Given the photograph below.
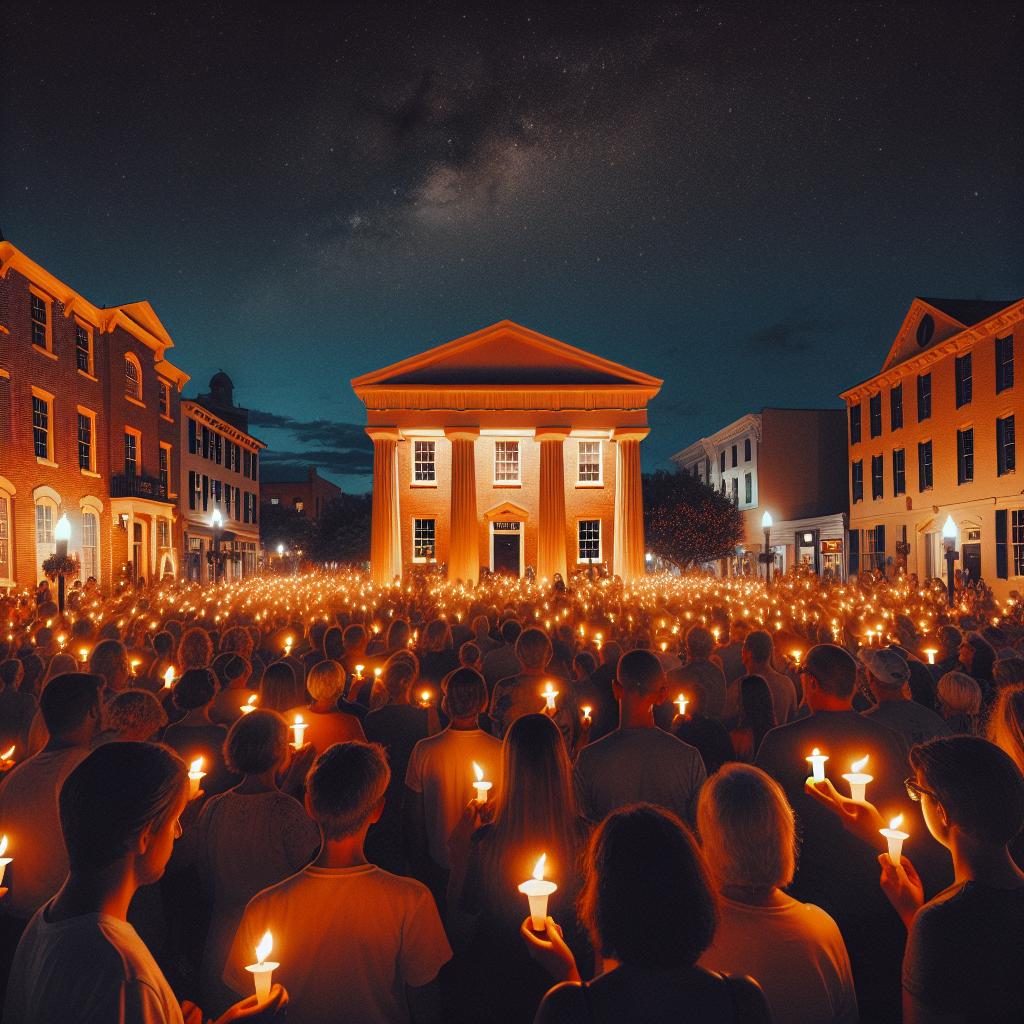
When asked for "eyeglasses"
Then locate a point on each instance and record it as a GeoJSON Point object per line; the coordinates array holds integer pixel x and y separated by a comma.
{"type": "Point", "coordinates": [914, 791]}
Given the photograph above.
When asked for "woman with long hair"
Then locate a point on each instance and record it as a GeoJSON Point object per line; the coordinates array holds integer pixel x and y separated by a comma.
{"type": "Point", "coordinates": [280, 688]}
{"type": "Point", "coordinates": [756, 717]}
{"type": "Point", "coordinates": [437, 652]}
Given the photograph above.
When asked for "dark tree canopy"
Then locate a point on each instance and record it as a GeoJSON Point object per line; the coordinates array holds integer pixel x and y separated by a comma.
{"type": "Point", "coordinates": [342, 533]}
{"type": "Point", "coordinates": [688, 523]}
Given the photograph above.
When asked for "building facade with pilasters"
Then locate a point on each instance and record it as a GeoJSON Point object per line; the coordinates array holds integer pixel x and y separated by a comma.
{"type": "Point", "coordinates": [506, 450]}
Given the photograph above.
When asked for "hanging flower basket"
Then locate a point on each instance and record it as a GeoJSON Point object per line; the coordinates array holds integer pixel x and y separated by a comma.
{"type": "Point", "coordinates": [67, 566]}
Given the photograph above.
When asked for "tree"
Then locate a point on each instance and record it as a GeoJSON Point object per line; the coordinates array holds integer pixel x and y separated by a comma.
{"type": "Point", "coordinates": [280, 524]}
{"type": "Point", "coordinates": [343, 532]}
{"type": "Point", "coordinates": [687, 522]}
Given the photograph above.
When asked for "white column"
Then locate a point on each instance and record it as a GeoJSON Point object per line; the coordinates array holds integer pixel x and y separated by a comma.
{"type": "Point", "coordinates": [463, 524]}
{"type": "Point", "coordinates": [628, 556]}
{"type": "Point", "coordinates": [551, 529]}
{"type": "Point", "coordinates": [385, 524]}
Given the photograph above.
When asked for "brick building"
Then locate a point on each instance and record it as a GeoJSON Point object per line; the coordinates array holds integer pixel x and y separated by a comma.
{"type": "Point", "coordinates": [933, 435]}
{"type": "Point", "coordinates": [506, 449]}
{"type": "Point", "coordinates": [89, 409]}
{"type": "Point", "coordinates": [219, 471]}
{"type": "Point", "coordinates": [307, 493]}
{"type": "Point", "coordinates": [787, 462]}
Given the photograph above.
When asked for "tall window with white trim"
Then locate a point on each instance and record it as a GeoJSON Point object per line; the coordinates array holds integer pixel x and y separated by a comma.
{"type": "Point", "coordinates": [589, 540]}
{"type": "Point", "coordinates": [423, 540]}
{"type": "Point", "coordinates": [90, 546]}
{"type": "Point", "coordinates": [589, 462]}
{"type": "Point", "coordinates": [424, 466]}
{"type": "Point", "coordinates": [5, 538]}
{"type": "Point", "coordinates": [506, 462]}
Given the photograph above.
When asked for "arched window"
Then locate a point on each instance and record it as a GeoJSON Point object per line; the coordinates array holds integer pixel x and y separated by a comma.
{"type": "Point", "coordinates": [91, 508]}
{"type": "Point", "coordinates": [132, 377]}
{"type": "Point", "coordinates": [6, 510]}
{"type": "Point", "coordinates": [47, 505]}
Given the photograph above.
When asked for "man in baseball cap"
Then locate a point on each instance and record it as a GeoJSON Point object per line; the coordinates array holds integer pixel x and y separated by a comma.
{"type": "Point", "coordinates": [888, 677]}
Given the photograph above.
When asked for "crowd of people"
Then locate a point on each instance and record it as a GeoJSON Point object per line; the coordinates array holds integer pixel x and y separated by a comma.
{"type": "Point", "coordinates": [355, 785]}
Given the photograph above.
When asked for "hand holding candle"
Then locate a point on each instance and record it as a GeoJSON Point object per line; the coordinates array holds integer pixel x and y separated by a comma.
{"type": "Point", "coordinates": [537, 891]}
{"type": "Point", "coordinates": [195, 776]}
{"type": "Point", "coordinates": [482, 788]}
{"type": "Point", "coordinates": [549, 693]}
{"type": "Point", "coordinates": [299, 729]}
{"type": "Point", "coordinates": [895, 839]}
{"type": "Point", "coordinates": [4, 860]}
{"type": "Point", "coordinates": [587, 713]}
{"type": "Point", "coordinates": [169, 678]}
{"type": "Point", "coordinates": [817, 761]}
{"type": "Point", "coordinates": [857, 779]}
{"type": "Point", "coordinates": [249, 705]}
{"type": "Point", "coordinates": [262, 971]}
{"type": "Point", "coordinates": [681, 703]}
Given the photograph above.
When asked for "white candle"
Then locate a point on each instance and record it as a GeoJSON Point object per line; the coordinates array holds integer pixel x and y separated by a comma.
{"type": "Point", "coordinates": [288, 644]}
{"type": "Point", "coordinates": [263, 969]}
{"type": "Point", "coordinates": [797, 655]}
{"type": "Point", "coordinates": [895, 839]}
{"type": "Point", "coordinates": [377, 673]}
{"type": "Point", "coordinates": [482, 788]}
{"type": "Point", "coordinates": [425, 698]}
{"type": "Point", "coordinates": [359, 673]}
{"type": "Point", "coordinates": [249, 705]}
{"type": "Point", "coordinates": [682, 702]}
{"type": "Point", "coordinates": [817, 759]}
{"type": "Point", "coordinates": [549, 694]}
{"type": "Point", "coordinates": [8, 755]}
{"type": "Point", "coordinates": [83, 653]}
{"type": "Point", "coordinates": [195, 776]}
{"type": "Point", "coordinates": [4, 861]}
{"type": "Point", "coordinates": [857, 779]}
{"type": "Point", "coordinates": [537, 891]}
{"type": "Point", "coordinates": [587, 710]}
{"type": "Point", "coordinates": [135, 664]}
{"type": "Point", "coordinates": [930, 653]}
{"type": "Point", "coordinates": [299, 728]}
{"type": "Point", "coordinates": [169, 678]}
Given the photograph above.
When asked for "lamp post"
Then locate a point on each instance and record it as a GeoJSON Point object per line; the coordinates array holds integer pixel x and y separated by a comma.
{"type": "Point", "coordinates": [767, 558]}
{"type": "Point", "coordinates": [217, 523]}
{"type": "Point", "coordinates": [61, 534]}
{"type": "Point", "coordinates": [949, 539]}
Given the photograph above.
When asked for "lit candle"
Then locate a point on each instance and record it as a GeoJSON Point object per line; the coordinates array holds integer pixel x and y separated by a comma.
{"type": "Point", "coordinates": [377, 673]}
{"type": "Point", "coordinates": [359, 673]}
{"type": "Point", "coordinates": [83, 654]}
{"type": "Point", "coordinates": [482, 788]}
{"type": "Point", "coordinates": [857, 779]}
{"type": "Point", "coordinates": [537, 891]}
{"type": "Point", "coordinates": [249, 705]}
{"type": "Point", "coordinates": [263, 969]}
{"type": "Point", "coordinates": [587, 709]}
{"type": "Point", "coordinates": [4, 861]}
{"type": "Point", "coordinates": [425, 696]}
{"type": "Point", "coordinates": [169, 678]}
{"type": "Point", "coordinates": [817, 759]}
{"type": "Point", "coordinates": [895, 839]}
{"type": "Point", "coordinates": [549, 694]}
{"type": "Point", "coordinates": [871, 635]}
{"type": "Point", "coordinates": [7, 758]}
{"type": "Point", "coordinates": [682, 702]}
{"type": "Point", "coordinates": [61, 640]}
{"type": "Point", "coordinates": [135, 664]}
{"type": "Point", "coordinates": [930, 653]}
{"type": "Point", "coordinates": [664, 646]}
{"type": "Point", "coordinates": [195, 776]}
{"type": "Point", "coordinates": [288, 644]}
{"type": "Point", "coordinates": [299, 728]}
{"type": "Point", "coordinates": [796, 655]}
{"type": "Point", "coordinates": [716, 633]}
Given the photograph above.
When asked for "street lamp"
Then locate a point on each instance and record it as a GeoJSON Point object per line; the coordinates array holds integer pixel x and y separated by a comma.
{"type": "Point", "coordinates": [766, 525]}
{"type": "Point", "coordinates": [949, 539]}
{"type": "Point", "coordinates": [218, 522]}
{"type": "Point", "coordinates": [61, 534]}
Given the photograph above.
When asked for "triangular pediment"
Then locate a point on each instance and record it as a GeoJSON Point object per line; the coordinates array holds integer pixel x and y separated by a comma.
{"type": "Point", "coordinates": [506, 511]}
{"type": "Point", "coordinates": [506, 354]}
{"type": "Point", "coordinates": [145, 316]}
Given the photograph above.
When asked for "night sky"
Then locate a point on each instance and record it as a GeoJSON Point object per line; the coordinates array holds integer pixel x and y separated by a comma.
{"type": "Point", "coordinates": [740, 198]}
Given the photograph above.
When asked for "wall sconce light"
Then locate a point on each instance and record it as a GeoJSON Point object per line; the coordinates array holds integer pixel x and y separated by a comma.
{"type": "Point", "coordinates": [123, 520]}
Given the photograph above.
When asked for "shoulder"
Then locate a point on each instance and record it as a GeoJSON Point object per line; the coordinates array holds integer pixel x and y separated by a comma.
{"type": "Point", "coordinates": [400, 888]}
{"type": "Point", "coordinates": [566, 1003]}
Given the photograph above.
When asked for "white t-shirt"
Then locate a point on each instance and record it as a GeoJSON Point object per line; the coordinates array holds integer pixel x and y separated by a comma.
{"type": "Point", "coordinates": [348, 941]}
{"type": "Point", "coordinates": [91, 969]}
{"type": "Point", "coordinates": [796, 953]}
{"type": "Point", "coordinates": [30, 818]}
{"type": "Point", "coordinates": [441, 768]}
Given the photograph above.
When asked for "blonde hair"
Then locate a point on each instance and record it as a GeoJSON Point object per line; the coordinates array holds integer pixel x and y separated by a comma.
{"type": "Point", "coordinates": [325, 681]}
{"type": "Point", "coordinates": [959, 694]}
{"type": "Point", "coordinates": [1006, 726]}
{"type": "Point", "coordinates": [747, 828]}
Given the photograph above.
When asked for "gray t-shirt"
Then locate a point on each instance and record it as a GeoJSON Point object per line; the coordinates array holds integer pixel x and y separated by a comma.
{"type": "Point", "coordinates": [632, 765]}
{"type": "Point", "coordinates": [912, 721]}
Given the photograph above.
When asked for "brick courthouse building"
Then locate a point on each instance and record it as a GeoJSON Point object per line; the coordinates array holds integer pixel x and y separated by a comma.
{"type": "Point", "coordinates": [506, 449]}
{"type": "Point", "coordinates": [89, 408]}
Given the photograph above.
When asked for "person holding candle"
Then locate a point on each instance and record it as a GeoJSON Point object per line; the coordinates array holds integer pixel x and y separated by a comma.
{"type": "Point", "coordinates": [355, 943]}
{"type": "Point", "coordinates": [196, 735]}
{"type": "Point", "coordinates": [502, 662]}
{"type": "Point", "coordinates": [707, 735]}
{"type": "Point", "coordinates": [522, 693]}
{"type": "Point", "coordinates": [233, 672]}
{"type": "Point", "coordinates": [888, 678]}
{"type": "Point", "coordinates": [794, 950]}
{"type": "Point", "coordinates": [327, 723]}
{"type": "Point", "coordinates": [649, 908]}
{"type": "Point", "coordinates": [17, 708]}
{"type": "Point", "coordinates": [699, 670]}
{"type": "Point", "coordinates": [79, 958]}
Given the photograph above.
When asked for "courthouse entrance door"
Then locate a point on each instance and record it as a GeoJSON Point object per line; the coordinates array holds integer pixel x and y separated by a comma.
{"type": "Point", "coordinates": [507, 548]}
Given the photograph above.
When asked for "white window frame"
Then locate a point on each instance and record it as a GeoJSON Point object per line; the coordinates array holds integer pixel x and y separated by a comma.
{"type": "Point", "coordinates": [134, 394]}
{"type": "Point", "coordinates": [417, 462]}
{"type": "Point", "coordinates": [44, 548]}
{"type": "Point", "coordinates": [501, 446]}
{"type": "Point", "coordinates": [166, 446]}
{"type": "Point", "coordinates": [48, 307]}
{"type": "Point", "coordinates": [81, 325]}
{"type": "Point", "coordinates": [423, 559]}
{"type": "Point", "coordinates": [137, 434]}
{"type": "Point", "coordinates": [1015, 557]}
{"type": "Point", "coordinates": [164, 388]}
{"type": "Point", "coordinates": [89, 470]}
{"type": "Point", "coordinates": [88, 510]}
{"type": "Point", "coordinates": [47, 397]}
{"type": "Point", "coordinates": [580, 482]}
{"type": "Point", "coordinates": [586, 560]}
{"type": "Point", "coordinates": [6, 537]}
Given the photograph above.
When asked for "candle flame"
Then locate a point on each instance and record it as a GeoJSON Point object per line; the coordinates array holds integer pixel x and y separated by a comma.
{"type": "Point", "coordinates": [586, 710]}
{"type": "Point", "coordinates": [196, 766]}
{"type": "Point", "coordinates": [478, 772]}
{"type": "Point", "coordinates": [7, 754]}
{"type": "Point", "coordinates": [858, 766]}
{"type": "Point", "coordinates": [815, 752]}
{"type": "Point", "coordinates": [169, 677]}
{"type": "Point", "coordinates": [252, 700]}
{"type": "Point", "coordinates": [264, 948]}
{"type": "Point", "coordinates": [896, 822]}
{"type": "Point", "coordinates": [425, 696]}
{"type": "Point", "coordinates": [3, 846]}
{"type": "Point", "coordinates": [538, 868]}
{"type": "Point", "coordinates": [298, 719]}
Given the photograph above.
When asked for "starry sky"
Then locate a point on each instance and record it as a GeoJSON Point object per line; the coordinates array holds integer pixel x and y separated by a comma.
{"type": "Point", "coordinates": [741, 198]}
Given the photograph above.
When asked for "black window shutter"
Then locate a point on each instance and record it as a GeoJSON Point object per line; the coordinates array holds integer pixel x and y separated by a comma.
{"type": "Point", "coordinates": [1002, 551]}
{"type": "Point", "coordinates": [880, 545]}
{"type": "Point", "coordinates": [854, 552]}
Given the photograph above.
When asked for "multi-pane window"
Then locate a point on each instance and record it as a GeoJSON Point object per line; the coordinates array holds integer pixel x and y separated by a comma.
{"type": "Point", "coordinates": [855, 424]}
{"type": "Point", "coordinates": [165, 470]}
{"type": "Point", "coordinates": [506, 462]}
{"type": "Point", "coordinates": [132, 377]}
{"type": "Point", "coordinates": [218, 448]}
{"type": "Point", "coordinates": [588, 532]}
{"type": "Point", "coordinates": [227, 499]}
{"type": "Point", "coordinates": [165, 400]}
{"type": "Point", "coordinates": [238, 502]}
{"type": "Point", "coordinates": [39, 312]}
{"type": "Point", "coordinates": [857, 484]}
{"type": "Point", "coordinates": [899, 471]}
{"type": "Point", "coordinates": [746, 450]}
{"type": "Point", "coordinates": [246, 462]}
{"type": "Point", "coordinates": [1006, 454]}
{"type": "Point", "coordinates": [590, 462]}
{"type": "Point", "coordinates": [735, 460]}
{"type": "Point", "coordinates": [44, 524]}
{"type": "Point", "coordinates": [194, 490]}
{"type": "Point", "coordinates": [748, 488]}
{"type": "Point", "coordinates": [424, 464]}
{"type": "Point", "coordinates": [896, 407]}
{"type": "Point", "coordinates": [163, 533]}
{"type": "Point", "coordinates": [84, 441]}
{"type": "Point", "coordinates": [965, 456]}
{"type": "Point", "coordinates": [83, 349]}
{"type": "Point", "coordinates": [5, 538]}
{"type": "Point", "coordinates": [255, 468]}
{"type": "Point", "coordinates": [90, 549]}
{"type": "Point", "coordinates": [924, 397]}
{"type": "Point", "coordinates": [207, 442]}
{"type": "Point", "coordinates": [1004, 363]}
{"type": "Point", "coordinates": [964, 380]}
{"type": "Point", "coordinates": [1017, 540]}
{"type": "Point", "coordinates": [875, 415]}
{"type": "Point", "coordinates": [131, 454]}
{"type": "Point", "coordinates": [423, 539]}
{"type": "Point", "coordinates": [41, 426]}
{"type": "Point", "coordinates": [924, 466]}
{"type": "Point", "coordinates": [876, 477]}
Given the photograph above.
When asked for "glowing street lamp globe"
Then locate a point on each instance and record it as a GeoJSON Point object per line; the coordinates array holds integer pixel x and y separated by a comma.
{"type": "Point", "coordinates": [217, 519]}
{"type": "Point", "coordinates": [62, 531]}
{"type": "Point", "coordinates": [766, 521]}
{"type": "Point", "coordinates": [949, 529]}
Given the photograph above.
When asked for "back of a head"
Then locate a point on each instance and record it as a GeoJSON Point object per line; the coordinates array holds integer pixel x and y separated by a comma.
{"type": "Point", "coordinates": [354, 636]}
{"type": "Point", "coordinates": [584, 663]}
{"type": "Point", "coordinates": [279, 690]}
{"type": "Point", "coordinates": [108, 658]}
{"type": "Point", "coordinates": [67, 701]}
{"type": "Point", "coordinates": [758, 645]}
{"type": "Point", "coordinates": [195, 689]}
{"type": "Point", "coordinates": [510, 630]}
{"type": "Point", "coordinates": [195, 650]}
{"type": "Point", "coordinates": [465, 693]}
{"type": "Point", "coordinates": [325, 681]}
{"type": "Point", "coordinates": [334, 643]}
{"type": "Point", "coordinates": [978, 784]}
{"type": "Point", "coordinates": [398, 633]}
{"type": "Point", "coordinates": [237, 641]}
{"type": "Point", "coordinates": [950, 637]}
{"type": "Point", "coordinates": [113, 795]}
{"type": "Point", "coordinates": [647, 900]}
{"type": "Point", "coordinates": [400, 673]}
{"type": "Point", "coordinates": [345, 785]}
{"type": "Point", "coordinates": [700, 642]}
{"type": "Point", "coordinates": [256, 743]}
{"type": "Point", "coordinates": [1008, 672]}
{"type": "Point", "coordinates": [747, 828]}
{"type": "Point", "coordinates": [163, 643]}
{"type": "Point", "coordinates": [481, 626]}
{"type": "Point", "coordinates": [11, 673]}
{"type": "Point", "coordinates": [639, 673]}
{"type": "Point", "coordinates": [136, 714]}
{"type": "Point", "coordinates": [437, 636]}
{"type": "Point", "coordinates": [533, 648]}
{"type": "Point", "coordinates": [611, 652]}
{"type": "Point", "coordinates": [470, 654]}
{"type": "Point", "coordinates": [1006, 724]}
{"type": "Point", "coordinates": [959, 693]}
{"type": "Point", "coordinates": [833, 668]}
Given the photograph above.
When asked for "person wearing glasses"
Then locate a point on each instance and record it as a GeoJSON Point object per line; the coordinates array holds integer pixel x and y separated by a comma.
{"type": "Point", "coordinates": [964, 956]}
